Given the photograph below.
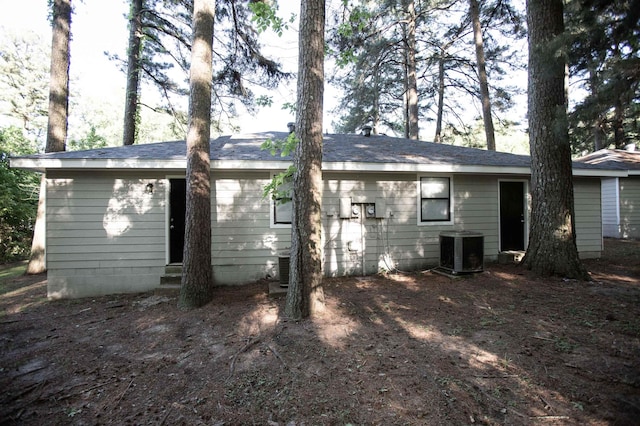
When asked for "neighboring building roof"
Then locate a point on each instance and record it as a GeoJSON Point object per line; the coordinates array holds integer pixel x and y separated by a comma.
{"type": "Point", "coordinates": [616, 159]}
{"type": "Point", "coordinates": [349, 152]}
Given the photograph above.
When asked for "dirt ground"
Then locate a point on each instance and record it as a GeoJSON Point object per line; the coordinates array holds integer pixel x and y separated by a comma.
{"type": "Point", "coordinates": [498, 347]}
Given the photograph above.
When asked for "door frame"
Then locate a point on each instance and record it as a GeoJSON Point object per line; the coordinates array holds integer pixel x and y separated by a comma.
{"type": "Point", "coordinates": [526, 205]}
{"type": "Point", "coordinates": [167, 231]}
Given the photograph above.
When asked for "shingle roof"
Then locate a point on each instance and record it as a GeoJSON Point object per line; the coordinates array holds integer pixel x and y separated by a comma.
{"type": "Point", "coordinates": [616, 159]}
{"type": "Point", "coordinates": [337, 148]}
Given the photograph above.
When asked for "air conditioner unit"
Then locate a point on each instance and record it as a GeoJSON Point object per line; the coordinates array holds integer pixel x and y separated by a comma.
{"type": "Point", "coordinates": [461, 252]}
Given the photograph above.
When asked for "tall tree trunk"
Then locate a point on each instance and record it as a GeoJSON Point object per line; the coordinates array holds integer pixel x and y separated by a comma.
{"type": "Point", "coordinates": [438, 136]}
{"type": "Point", "coordinates": [552, 243]}
{"type": "Point", "coordinates": [59, 89]}
{"type": "Point", "coordinates": [58, 118]}
{"type": "Point", "coordinates": [197, 275]}
{"type": "Point", "coordinates": [37, 259]}
{"type": "Point", "coordinates": [599, 135]}
{"type": "Point", "coordinates": [375, 117]}
{"type": "Point", "coordinates": [131, 110]}
{"type": "Point", "coordinates": [412, 82]}
{"type": "Point", "coordinates": [474, 10]}
{"type": "Point", "coordinates": [305, 295]}
{"type": "Point", "coordinates": [617, 122]}
{"type": "Point", "coordinates": [619, 136]}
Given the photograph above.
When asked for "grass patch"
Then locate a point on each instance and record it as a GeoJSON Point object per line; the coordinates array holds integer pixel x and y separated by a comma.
{"type": "Point", "coordinates": [9, 272]}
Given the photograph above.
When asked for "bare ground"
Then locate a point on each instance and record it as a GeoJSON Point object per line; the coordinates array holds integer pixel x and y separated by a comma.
{"type": "Point", "coordinates": [499, 347]}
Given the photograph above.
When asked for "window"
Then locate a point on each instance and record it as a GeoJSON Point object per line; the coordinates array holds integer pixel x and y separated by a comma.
{"type": "Point", "coordinates": [282, 205]}
{"type": "Point", "coordinates": [435, 199]}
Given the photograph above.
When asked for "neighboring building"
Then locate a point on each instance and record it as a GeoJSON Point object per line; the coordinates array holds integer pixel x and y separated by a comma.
{"type": "Point", "coordinates": [115, 216]}
{"type": "Point", "coordinates": [620, 194]}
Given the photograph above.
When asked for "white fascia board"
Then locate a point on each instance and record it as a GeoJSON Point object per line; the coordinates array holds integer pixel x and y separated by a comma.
{"type": "Point", "coordinates": [249, 164]}
{"type": "Point", "coordinates": [599, 173]}
{"type": "Point", "coordinates": [43, 164]}
{"type": "Point", "coordinates": [423, 168]}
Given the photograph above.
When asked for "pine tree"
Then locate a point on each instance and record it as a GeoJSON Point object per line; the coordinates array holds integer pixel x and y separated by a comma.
{"type": "Point", "coordinates": [58, 118]}
{"type": "Point", "coordinates": [305, 295]}
{"type": "Point", "coordinates": [552, 240]}
{"type": "Point", "coordinates": [197, 275]}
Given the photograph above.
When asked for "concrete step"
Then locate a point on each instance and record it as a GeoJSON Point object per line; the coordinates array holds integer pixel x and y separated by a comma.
{"type": "Point", "coordinates": [173, 269]}
{"type": "Point", "coordinates": [171, 279]}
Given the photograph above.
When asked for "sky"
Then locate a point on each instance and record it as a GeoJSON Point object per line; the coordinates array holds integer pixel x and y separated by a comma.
{"type": "Point", "coordinates": [97, 26]}
{"type": "Point", "coordinates": [100, 26]}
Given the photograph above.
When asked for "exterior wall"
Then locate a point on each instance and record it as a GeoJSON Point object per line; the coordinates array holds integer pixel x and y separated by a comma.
{"type": "Point", "coordinates": [104, 234]}
{"type": "Point", "coordinates": [244, 246]}
{"type": "Point", "coordinates": [610, 207]}
{"type": "Point", "coordinates": [397, 241]}
{"type": "Point", "coordinates": [630, 207]}
{"type": "Point", "coordinates": [588, 217]}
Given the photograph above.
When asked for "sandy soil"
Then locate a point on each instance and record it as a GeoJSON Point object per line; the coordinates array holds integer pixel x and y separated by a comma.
{"type": "Point", "coordinates": [498, 347]}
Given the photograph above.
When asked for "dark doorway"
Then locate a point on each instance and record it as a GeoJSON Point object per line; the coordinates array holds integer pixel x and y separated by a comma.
{"type": "Point", "coordinates": [177, 195]}
{"type": "Point", "coordinates": [512, 219]}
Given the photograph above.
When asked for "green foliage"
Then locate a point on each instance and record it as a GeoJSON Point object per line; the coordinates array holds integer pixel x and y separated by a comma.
{"type": "Point", "coordinates": [240, 64]}
{"type": "Point", "coordinates": [368, 42]}
{"type": "Point", "coordinates": [604, 58]}
{"type": "Point", "coordinates": [278, 188]}
{"type": "Point", "coordinates": [264, 101]}
{"type": "Point", "coordinates": [91, 141]}
{"type": "Point", "coordinates": [282, 147]}
{"type": "Point", "coordinates": [18, 198]}
{"type": "Point", "coordinates": [265, 17]}
{"type": "Point", "coordinates": [24, 81]}
{"type": "Point", "coordinates": [289, 106]}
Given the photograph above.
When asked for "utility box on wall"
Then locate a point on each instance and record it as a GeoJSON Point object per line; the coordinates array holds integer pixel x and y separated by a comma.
{"type": "Point", "coordinates": [461, 252]}
{"type": "Point", "coordinates": [345, 208]}
{"type": "Point", "coordinates": [381, 208]}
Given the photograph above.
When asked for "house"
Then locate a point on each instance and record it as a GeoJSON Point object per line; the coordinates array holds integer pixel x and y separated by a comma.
{"type": "Point", "coordinates": [620, 195]}
{"type": "Point", "coordinates": [115, 216]}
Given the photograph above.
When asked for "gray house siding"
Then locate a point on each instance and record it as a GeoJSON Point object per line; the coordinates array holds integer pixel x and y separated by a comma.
{"type": "Point", "coordinates": [588, 217]}
{"type": "Point", "coordinates": [630, 207]}
{"type": "Point", "coordinates": [620, 195]}
{"type": "Point", "coordinates": [104, 234]}
{"type": "Point", "coordinates": [621, 207]}
{"type": "Point", "coordinates": [610, 208]}
{"type": "Point", "coordinates": [244, 246]}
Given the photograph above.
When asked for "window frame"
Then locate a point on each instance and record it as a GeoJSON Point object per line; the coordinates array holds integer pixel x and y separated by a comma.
{"type": "Point", "coordinates": [273, 208]}
{"type": "Point", "coordinates": [450, 220]}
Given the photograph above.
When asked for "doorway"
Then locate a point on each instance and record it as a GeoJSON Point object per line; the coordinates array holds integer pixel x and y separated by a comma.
{"type": "Point", "coordinates": [177, 205]}
{"type": "Point", "coordinates": [512, 215]}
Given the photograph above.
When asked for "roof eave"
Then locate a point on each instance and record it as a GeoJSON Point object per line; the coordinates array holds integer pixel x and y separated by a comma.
{"type": "Point", "coordinates": [599, 172]}
{"type": "Point", "coordinates": [44, 164]}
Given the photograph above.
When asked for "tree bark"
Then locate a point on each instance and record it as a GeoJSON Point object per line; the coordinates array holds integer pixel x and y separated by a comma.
{"type": "Point", "coordinates": [59, 88]}
{"type": "Point", "coordinates": [485, 99]}
{"type": "Point", "coordinates": [438, 136]}
{"type": "Point", "coordinates": [599, 135]}
{"type": "Point", "coordinates": [413, 128]}
{"type": "Point", "coordinates": [552, 243]}
{"type": "Point", "coordinates": [58, 118]}
{"type": "Point", "coordinates": [305, 295]}
{"type": "Point", "coordinates": [131, 110]}
{"type": "Point", "coordinates": [197, 275]}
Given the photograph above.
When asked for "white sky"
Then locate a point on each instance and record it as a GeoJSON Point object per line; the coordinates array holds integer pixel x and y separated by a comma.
{"type": "Point", "coordinates": [100, 25]}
